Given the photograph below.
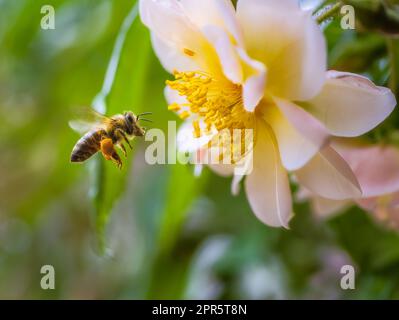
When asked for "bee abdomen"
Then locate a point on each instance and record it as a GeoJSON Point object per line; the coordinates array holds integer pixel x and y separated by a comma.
{"type": "Point", "coordinates": [86, 146]}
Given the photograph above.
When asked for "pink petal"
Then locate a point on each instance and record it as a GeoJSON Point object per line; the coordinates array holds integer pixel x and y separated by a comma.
{"type": "Point", "coordinates": [376, 167]}
{"type": "Point", "coordinates": [350, 105]}
{"type": "Point", "coordinates": [370, 204]}
{"type": "Point", "coordinates": [385, 209]}
{"type": "Point", "coordinates": [329, 176]}
{"type": "Point", "coordinates": [327, 207]}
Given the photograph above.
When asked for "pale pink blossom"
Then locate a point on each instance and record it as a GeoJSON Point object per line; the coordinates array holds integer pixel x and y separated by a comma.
{"type": "Point", "coordinates": [377, 170]}
{"type": "Point", "coordinates": [262, 66]}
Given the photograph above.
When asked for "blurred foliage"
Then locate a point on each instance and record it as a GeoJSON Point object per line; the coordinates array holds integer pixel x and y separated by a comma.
{"type": "Point", "coordinates": [379, 15]}
{"type": "Point", "coordinates": [165, 232]}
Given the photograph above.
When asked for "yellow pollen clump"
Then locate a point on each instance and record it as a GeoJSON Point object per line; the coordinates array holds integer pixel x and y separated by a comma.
{"type": "Point", "coordinates": [174, 107]}
{"type": "Point", "coordinates": [197, 129]}
{"type": "Point", "coordinates": [188, 52]}
{"type": "Point", "coordinates": [184, 115]}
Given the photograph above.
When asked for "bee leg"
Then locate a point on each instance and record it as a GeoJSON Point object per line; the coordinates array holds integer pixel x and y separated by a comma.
{"type": "Point", "coordinates": [119, 131]}
{"type": "Point", "coordinates": [117, 160]}
{"type": "Point", "coordinates": [120, 145]}
{"type": "Point", "coordinates": [109, 152]}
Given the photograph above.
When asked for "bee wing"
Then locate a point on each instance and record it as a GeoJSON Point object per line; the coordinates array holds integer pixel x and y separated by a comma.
{"type": "Point", "coordinates": [81, 126]}
{"type": "Point", "coordinates": [88, 119]}
{"type": "Point", "coordinates": [90, 115]}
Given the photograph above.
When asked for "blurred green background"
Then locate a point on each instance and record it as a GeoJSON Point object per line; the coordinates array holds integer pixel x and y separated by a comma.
{"type": "Point", "coordinates": [156, 231]}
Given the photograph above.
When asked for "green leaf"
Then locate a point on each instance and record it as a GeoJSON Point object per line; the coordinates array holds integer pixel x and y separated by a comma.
{"type": "Point", "coordinates": [170, 266]}
{"type": "Point", "coordinates": [183, 187]}
{"type": "Point", "coordinates": [356, 53]}
{"type": "Point", "coordinates": [122, 90]}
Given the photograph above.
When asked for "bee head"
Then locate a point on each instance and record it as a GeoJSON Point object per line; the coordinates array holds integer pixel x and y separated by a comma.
{"type": "Point", "coordinates": [132, 127]}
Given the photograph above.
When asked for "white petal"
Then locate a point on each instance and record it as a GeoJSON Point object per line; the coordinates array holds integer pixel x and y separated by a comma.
{"type": "Point", "coordinates": [198, 170]}
{"type": "Point", "coordinates": [350, 105]}
{"type": "Point", "coordinates": [243, 168]}
{"type": "Point", "coordinates": [210, 158]}
{"type": "Point", "coordinates": [288, 6]}
{"type": "Point", "coordinates": [172, 96]}
{"type": "Point", "coordinates": [174, 32]}
{"type": "Point", "coordinates": [219, 13]}
{"type": "Point", "coordinates": [329, 176]}
{"type": "Point", "coordinates": [171, 56]}
{"type": "Point", "coordinates": [238, 67]}
{"type": "Point", "coordinates": [168, 21]}
{"type": "Point", "coordinates": [255, 80]}
{"type": "Point", "coordinates": [299, 135]}
{"type": "Point", "coordinates": [289, 42]}
{"type": "Point", "coordinates": [267, 187]}
{"type": "Point", "coordinates": [235, 184]}
{"type": "Point", "coordinates": [226, 52]}
{"type": "Point", "coordinates": [187, 142]}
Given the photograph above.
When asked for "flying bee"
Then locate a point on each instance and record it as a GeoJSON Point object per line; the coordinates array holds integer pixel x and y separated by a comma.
{"type": "Point", "coordinates": [103, 133]}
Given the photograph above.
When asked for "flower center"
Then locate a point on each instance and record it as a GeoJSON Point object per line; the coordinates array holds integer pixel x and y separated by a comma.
{"type": "Point", "coordinates": [215, 102]}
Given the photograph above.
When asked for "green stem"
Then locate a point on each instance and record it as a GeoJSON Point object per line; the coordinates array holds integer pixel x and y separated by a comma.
{"type": "Point", "coordinates": [393, 55]}
{"type": "Point", "coordinates": [99, 102]}
{"type": "Point", "coordinates": [330, 12]}
{"type": "Point", "coordinates": [393, 52]}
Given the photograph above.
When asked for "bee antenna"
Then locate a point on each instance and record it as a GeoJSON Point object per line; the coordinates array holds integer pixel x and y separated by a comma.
{"type": "Point", "coordinates": [142, 114]}
{"type": "Point", "coordinates": [144, 119]}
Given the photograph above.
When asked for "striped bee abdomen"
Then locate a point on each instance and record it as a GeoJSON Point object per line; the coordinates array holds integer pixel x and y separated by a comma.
{"type": "Point", "coordinates": [88, 145]}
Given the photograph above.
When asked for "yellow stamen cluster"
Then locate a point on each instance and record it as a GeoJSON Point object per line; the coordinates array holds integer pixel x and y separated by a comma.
{"type": "Point", "coordinates": [217, 103]}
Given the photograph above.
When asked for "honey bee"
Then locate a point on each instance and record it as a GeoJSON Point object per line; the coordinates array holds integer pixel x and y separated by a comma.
{"type": "Point", "coordinates": [103, 133]}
